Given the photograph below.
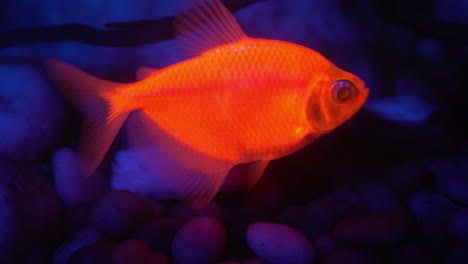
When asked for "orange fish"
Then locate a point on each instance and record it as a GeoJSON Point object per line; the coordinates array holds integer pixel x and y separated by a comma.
{"type": "Point", "coordinates": [241, 100]}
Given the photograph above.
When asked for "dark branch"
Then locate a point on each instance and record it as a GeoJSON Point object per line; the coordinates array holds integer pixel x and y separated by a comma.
{"type": "Point", "coordinates": [419, 17]}
{"type": "Point", "coordinates": [122, 34]}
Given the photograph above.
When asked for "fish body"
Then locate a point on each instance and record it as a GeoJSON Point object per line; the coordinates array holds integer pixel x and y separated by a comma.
{"type": "Point", "coordinates": [241, 100]}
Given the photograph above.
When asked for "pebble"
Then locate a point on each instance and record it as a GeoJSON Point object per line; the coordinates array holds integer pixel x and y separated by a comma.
{"type": "Point", "coordinates": [373, 230]}
{"type": "Point", "coordinates": [99, 252]}
{"type": "Point", "coordinates": [31, 112]}
{"type": "Point", "coordinates": [71, 185]}
{"type": "Point", "coordinates": [458, 254]}
{"type": "Point", "coordinates": [254, 261]}
{"type": "Point", "coordinates": [454, 188]}
{"type": "Point", "coordinates": [458, 225]}
{"type": "Point", "coordinates": [406, 177]}
{"type": "Point", "coordinates": [131, 251]}
{"type": "Point", "coordinates": [75, 217]}
{"type": "Point", "coordinates": [351, 256]}
{"type": "Point", "coordinates": [157, 258]}
{"type": "Point", "coordinates": [435, 236]}
{"type": "Point", "coordinates": [320, 216]}
{"type": "Point", "coordinates": [78, 240]}
{"type": "Point", "coordinates": [199, 241]}
{"type": "Point", "coordinates": [159, 233]}
{"type": "Point", "coordinates": [430, 205]}
{"type": "Point", "coordinates": [29, 210]}
{"type": "Point", "coordinates": [326, 244]}
{"type": "Point", "coordinates": [375, 196]}
{"type": "Point", "coordinates": [411, 254]}
{"type": "Point", "coordinates": [120, 212]}
{"type": "Point", "coordinates": [279, 244]}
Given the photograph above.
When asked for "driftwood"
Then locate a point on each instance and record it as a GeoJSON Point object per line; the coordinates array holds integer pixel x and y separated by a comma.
{"type": "Point", "coordinates": [134, 33]}
{"type": "Point", "coordinates": [120, 34]}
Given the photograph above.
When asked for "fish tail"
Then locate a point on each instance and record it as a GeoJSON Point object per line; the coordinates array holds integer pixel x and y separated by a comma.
{"type": "Point", "coordinates": [95, 99]}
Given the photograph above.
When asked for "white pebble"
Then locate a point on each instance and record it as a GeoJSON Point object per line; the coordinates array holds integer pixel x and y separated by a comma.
{"type": "Point", "coordinates": [199, 241]}
{"type": "Point", "coordinates": [279, 244]}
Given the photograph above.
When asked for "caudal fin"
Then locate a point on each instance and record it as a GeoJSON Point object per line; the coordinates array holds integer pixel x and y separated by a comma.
{"type": "Point", "coordinates": [92, 96]}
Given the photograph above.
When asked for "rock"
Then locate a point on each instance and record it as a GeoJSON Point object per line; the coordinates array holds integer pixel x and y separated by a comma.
{"type": "Point", "coordinates": [411, 254]}
{"type": "Point", "coordinates": [29, 210]}
{"type": "Point", "coordinates": [184, 211]}
{"type": "Point", "coordinates": [71, 185]}
{"type": "Point", "coordinates": [428, 205]}
{"type": "Point", "coordinates": [75, 217]}
{"type": "Point", "coordinates": [405, 178]}
{"type": "Point", "coordinates": [120, 212]}
{"type": "Point", "coordinates": [458, 254]}
{"type": "Point", "coordinates": [320, 216]}
{"type": "Point", "coordinates": [454, 188]}
{"type": "Point", "coordinates": [131, 252]}
{"type": "Point", "coordinates": [254, 261]}
{"type": "Point", "coordinates": [376, 229]}
{"type": "Point", "coordinates": [325, 244]}
{"type": "Point", "coordinates": [96, 253]}
{"type": "Point", "coordinates": [458, 225]}
{"type": "Point", "coordinates": [199, 241]}
{"type": "Point", "coordinates": [159, 233]}
{"type": "Point", "coordinates": [31, 108]}
{"type": "Point", "coordinates": [278, 243]}
{"type": "Point", "coordinates": [78, 240]}
{"type": "Point", "coordinates": [157, 258]}
{"type": "Point", "coordinates": [374, 196]}
{"type": "Point", "coordinates": [351, 256]}
{"type": "Point", "coordinates": [435, 237]}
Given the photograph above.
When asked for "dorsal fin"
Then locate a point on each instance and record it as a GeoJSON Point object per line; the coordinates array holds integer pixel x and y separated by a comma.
{"type": "Point", "coordinates": [207, 24]}
{"type": "Point", "coordinates": [144, 71]}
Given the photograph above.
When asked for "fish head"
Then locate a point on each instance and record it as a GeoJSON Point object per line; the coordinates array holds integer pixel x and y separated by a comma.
{"type": "Point", "coordinates": [334, 98]}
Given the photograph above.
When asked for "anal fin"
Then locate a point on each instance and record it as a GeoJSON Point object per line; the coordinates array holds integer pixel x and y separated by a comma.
{"type": "Point", "coordinates": [144, 71]}
{"type": "Point", "coordinates": [193, 176]}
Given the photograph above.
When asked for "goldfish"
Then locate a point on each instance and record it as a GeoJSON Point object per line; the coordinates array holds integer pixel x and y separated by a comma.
{"type": "Point", "coordinates": [239, 100]}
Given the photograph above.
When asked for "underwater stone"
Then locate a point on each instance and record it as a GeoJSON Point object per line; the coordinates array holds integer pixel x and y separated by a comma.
{"type": "Point", "coordinates": [326, 244]}
{"type": "Point", "coordinates": [373, 230]}
{"type": "Point", "coordinates": [254, 261]}
{"type": "Point", "coordinates": [29, 210]}
{"type": "Point", "coordinates": [374, 196]}
{"type": "Point", "coordinates": [75, 217]}
{"type": "Point", "coordinates": [458, 254]}
{"type": "Point", "coordinates": [31, 113]}
{"type": "Point", "coordinates": [78, 240]}
{"type": "Point", "coordinates": [157, 258]}
{"type": "Point", "coordinates": [159, 233]}
{"type": "Point", "coordinates": [199, 241]}
{"type": "Point", "coordinates": [351, 256]}
{"type": "Point", "coordinates": [411, 254]}
{"type": "Point", "coordinates": [279, 244]}
{"type": "Point", "coordinates": [406, 177]}
{"type": "Point", "coordinates": [131, 251]}
{"type": "Point", "coordinates": [458, 225]}
{"type": "Point", "coordinates": [454, 187]}
{"type": "Point", "coordinates": [71, 185]}
{"type": "Point", "coordinates": [120, 212]}
{"type": "Point", "coordinates": [320, 216]}
{"type": "Point", "coordinates": [95, 253]}
{"type": "Point", "coordinates": [428, 205]}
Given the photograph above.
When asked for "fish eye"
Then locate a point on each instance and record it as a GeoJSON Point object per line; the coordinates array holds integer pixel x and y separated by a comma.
{"type": "Point", "coordinates": [343, 91]}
